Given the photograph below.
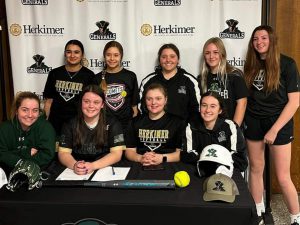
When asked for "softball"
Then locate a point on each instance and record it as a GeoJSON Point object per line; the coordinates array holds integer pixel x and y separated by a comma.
{"type": "Point", "coordinates": [182, 179]}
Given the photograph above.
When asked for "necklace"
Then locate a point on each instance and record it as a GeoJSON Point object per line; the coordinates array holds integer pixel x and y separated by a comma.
{"type": "Point", "coordinates": [73, 74]}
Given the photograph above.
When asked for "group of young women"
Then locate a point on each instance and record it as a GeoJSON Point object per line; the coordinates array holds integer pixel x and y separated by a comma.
{"type": "Point", "coordinates": [171, 117]}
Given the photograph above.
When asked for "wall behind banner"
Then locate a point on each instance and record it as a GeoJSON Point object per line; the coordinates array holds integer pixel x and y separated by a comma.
{"type": "Point", "coordinates": [42, 27]}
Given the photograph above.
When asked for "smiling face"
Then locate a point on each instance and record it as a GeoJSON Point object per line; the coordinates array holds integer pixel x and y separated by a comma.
{"type": "Point", "coordinates": [261, 42]}
{"type": "Point", "coordinates": [73, 55]}
{"type": "Point", "coordinates": [113, 59]}
{"type": "Point", "coordinates": [212, 57]}
{"type": "Point", "coordinates": [209, 110]}
{"type": "Point", "coordinates": [91, 106]}
{"type": "Point", "coordinates": [155, 102]}
{"type": "Point", "coordinates": [168, 60]}
{"type": "Point", "coordinates": [28, 112]}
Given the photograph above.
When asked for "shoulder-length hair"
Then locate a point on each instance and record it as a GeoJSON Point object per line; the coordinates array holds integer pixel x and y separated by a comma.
{"type": "Point", "coordinates": [214, 94]}
{"type": "Point", "coordinates": [154, 86]}
{"type": "Point", "coordinates": [162, 48]}
{"type": "Point", "coordinates": [19, 98]}
{"type": "Point", "coordinates": [223, 68]}
{"type": "Point", "coordinates": [100, 137]}
{"type": "Point", "coordinates": [271, 64]}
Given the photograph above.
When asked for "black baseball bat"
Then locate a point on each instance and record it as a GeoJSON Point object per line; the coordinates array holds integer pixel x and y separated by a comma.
{"type": "Point", "coordinates": [117, 184]}
{"type": "Point", "coordinates": [133, 184]}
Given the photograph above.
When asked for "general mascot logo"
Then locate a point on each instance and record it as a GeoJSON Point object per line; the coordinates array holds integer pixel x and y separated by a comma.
{"type": "Point", "coordinates": [39, 66]}
{"type": "Point", "coordinates": [115, 96]}
{"type": "Point", "coordinates": [232, 31]}
{"type": "Point", "coordinates": [103, 32]}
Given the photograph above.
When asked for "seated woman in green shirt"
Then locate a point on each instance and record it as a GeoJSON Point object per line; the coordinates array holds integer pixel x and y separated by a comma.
{"type": "Point", "coordinates": [27, 135]}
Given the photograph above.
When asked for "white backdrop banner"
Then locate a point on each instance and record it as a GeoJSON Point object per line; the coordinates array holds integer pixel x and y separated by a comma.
{"type": "Point", "coordinates": [39, 30]}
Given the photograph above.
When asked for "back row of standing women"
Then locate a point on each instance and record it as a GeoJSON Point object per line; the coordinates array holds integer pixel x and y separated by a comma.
{"type": "Point", "coordinates": [171, 95]}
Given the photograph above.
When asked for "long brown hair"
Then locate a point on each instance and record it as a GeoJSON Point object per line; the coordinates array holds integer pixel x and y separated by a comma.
{"type": "Point", "coordinates": [103, 84]}
{"type": "Point", "coordinates": [271, 64]}
{"type": "Point", "coordinates": [100, 137]}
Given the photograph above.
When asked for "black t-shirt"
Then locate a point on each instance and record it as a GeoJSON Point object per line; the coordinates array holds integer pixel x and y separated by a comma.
{"type": "Point", "coordinates": [232, 89]}
{"type": "Point", "coordinates": [161, 136]}
{"type": "Point", "coordinates": [65, 89]}
{"type": "Point", "coordinates": [262, 104]}
{"type": "Point", "coordinates": [89, 151]}
{"type": "Point", "coordinates": [122, 93]}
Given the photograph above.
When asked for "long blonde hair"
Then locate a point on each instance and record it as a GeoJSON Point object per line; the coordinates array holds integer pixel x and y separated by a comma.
{"type": "Point", "coordinates": [223, 68]}
{"type": "Point", "coordinates": [271, 63]}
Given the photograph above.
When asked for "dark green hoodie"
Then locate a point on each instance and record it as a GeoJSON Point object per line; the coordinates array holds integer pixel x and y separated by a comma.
{"type": "Point", "coordinates": [16, 144]}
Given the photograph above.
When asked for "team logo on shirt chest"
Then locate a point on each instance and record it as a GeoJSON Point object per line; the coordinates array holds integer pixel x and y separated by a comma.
{"type": "Point", "coordinates": [115, 96]}
{"type": "Point", "coordinates": [153, 139]}
{"type": "Point", "coordinates": [259, 80]}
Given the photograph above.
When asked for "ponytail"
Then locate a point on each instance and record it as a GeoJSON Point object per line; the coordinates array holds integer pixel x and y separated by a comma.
{"type": "Point", "coordinates": [103, 84]}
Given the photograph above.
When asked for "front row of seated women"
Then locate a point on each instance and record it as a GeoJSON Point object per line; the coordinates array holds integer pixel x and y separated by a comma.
{"type": "Point", "coordinates": [92, 140]}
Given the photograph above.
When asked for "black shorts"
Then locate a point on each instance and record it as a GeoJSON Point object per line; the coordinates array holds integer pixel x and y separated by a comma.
{"type": "Point", "coordinates": [256, 129]}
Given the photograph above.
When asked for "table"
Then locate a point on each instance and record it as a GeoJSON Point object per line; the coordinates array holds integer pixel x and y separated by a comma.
{"type": "Point", "coordinates": [71, 205]}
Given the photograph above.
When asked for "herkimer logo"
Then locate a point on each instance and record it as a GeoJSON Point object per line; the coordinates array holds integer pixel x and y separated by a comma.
{"type": "Point", "coordinates": [39, 66]}
{"type": "Point", "coordinates": [167, 2]}
{"type": "Point", "coordinates": [95, 64]}
{"type": "Point", "coordinates": [146, 29]}
{"type": "Point", "coordinates": [103, 32]}
{"type": "Point", "coordinates": [232, 31]}
{"type": "Point", "coordinates": [15, 29]}
{"type": "Point", "coordinates": [40, 30]}
{"type": "Point", "coordinates": [170, 30]}
{"type": "Point", "coordinates": [34, 2]}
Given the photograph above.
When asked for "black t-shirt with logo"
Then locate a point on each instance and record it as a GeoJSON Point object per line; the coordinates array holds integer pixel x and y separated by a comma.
{"type": "Point", "coordinates": [161, 136]}
{"type": "Point", "coordinates": [232, 89]}
{"type": "Point", "coordinates": [122, 94]}
{"type": "Point", "coordinates": [65, 88]}
{"type": "Point", "coordinates": [89, 151]}
{"type": "Point", "coordinates": [262, 104]}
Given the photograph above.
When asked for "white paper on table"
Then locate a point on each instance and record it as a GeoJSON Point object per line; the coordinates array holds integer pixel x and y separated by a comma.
{"type": "Point", "coordinates": [69, 174]}
{"type": "Point", "coordinates": [106, 174]}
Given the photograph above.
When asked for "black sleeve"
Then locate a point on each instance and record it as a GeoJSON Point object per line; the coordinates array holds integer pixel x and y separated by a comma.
{"type": "Point", "coordinates": [292, 76]}
{"type": "Point", "coordinates": [240, 160]}
{"type": "Point", "coordinates": [135, 91]}
{"type": "Point", "coordinates": [115, 134]}
{"type": "Point", "coordinates": [239, 87]}
{"type": "Point", "coordinates": [131, 136]}
{"type": "Point", "coordinates": [66, 138]}
{"type": "Point", "coordinates": [142, 106]}
{"type": "Point", "coordinates": [180, 134]}
{"type": "Point", "coordinates": [97, 79]}
{"type": "Point", "coordinates": [50, 90]}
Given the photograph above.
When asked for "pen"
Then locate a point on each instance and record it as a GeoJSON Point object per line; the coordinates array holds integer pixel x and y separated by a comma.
{"type": "Point", "coordinates": [113, 170]}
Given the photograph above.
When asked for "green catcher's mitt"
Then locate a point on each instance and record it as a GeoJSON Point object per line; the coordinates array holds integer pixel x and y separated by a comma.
{"type": "Point", "coordinates": [26, 173]}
